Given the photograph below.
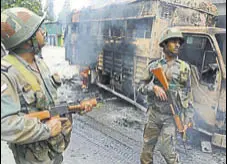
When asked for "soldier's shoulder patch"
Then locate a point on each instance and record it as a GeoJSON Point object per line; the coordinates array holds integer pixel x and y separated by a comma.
{"type": "Point", "coordinates": [182, 61]}
{"type": "Point", "coordinates": [184, 65]}
{"type": "Point", "coordinates": [4, 87]}
{"type": "Point", "coordinates": [5, 65]}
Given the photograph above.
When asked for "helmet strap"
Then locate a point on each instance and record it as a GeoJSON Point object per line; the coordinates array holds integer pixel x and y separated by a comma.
{"type": "Point", "coordinates": [35, 45]}
{"type": "Point", "coordinates": [33, 48]}
{"type": "Point", "coordinates": [20, 49]}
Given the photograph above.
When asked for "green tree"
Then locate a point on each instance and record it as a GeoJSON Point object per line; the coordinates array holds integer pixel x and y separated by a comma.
{"type": "Point", "coordinates": [33, 5]}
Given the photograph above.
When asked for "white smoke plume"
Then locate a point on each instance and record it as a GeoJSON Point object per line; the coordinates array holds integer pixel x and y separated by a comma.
{"type": "Point", "coordinates": [78, 4]}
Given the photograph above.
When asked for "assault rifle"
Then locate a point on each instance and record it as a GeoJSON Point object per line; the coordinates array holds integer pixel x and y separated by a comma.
{"type": "Point", "coordinates": [63, 109]}
{"type": "Point", "coordinates": [159, 74]}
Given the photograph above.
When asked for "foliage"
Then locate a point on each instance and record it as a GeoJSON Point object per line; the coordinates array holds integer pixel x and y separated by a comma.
{"type": "Point", "coordinates": [33, 5]}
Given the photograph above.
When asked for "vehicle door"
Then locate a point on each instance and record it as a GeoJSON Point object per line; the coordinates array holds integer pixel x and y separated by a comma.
{"type": "Point", "coordinates": [200, 53]}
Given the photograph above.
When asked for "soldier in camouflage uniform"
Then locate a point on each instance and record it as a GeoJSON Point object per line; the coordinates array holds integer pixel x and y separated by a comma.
{"type": "Point", "coordinates": [161, 126]}
{"type": "Point", "coordinates": [3, 51]}
{"type": "Point", "coordinates": [27, 86]}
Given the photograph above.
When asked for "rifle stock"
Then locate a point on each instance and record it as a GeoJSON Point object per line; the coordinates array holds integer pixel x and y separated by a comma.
{"type": "Point", "coordinates": [160, 75]}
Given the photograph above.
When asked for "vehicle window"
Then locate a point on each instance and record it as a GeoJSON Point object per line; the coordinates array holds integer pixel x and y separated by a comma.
{"type": "Point", "coordinates": [117, 28]}
{"type": "Point", "coordinates": [197, 51]}
{"type": "Point", "coordinates": [139, 28]}
{"type": "Point", "coordinates": [221, 38]}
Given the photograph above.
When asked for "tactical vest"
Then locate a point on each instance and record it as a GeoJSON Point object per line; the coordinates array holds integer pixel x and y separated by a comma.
{"type": "Point", "coordinates": [184, 73]}
{"type": "Point", "coordinates": [178, 87]}
{"type": "Point", "coordinates": [34, 97]}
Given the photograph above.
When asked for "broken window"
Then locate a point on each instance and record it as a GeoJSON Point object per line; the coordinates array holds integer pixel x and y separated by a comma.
{"type": "Point", "coordinates": [209, 67]}
{"type": "Point", "coordinates": [198, 52]}
{"type": "Point", "coordinates": [107, 29]}
{"type": "Point", "coordinates": [139, 28]}
{"type": "Point", "coordinates": [117, 28]}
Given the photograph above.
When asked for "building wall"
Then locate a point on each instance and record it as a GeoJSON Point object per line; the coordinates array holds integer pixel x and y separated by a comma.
{"type": "Point", "coordinates": [54, 33]}
{"type": "Point", "coordinates": [52, 40]}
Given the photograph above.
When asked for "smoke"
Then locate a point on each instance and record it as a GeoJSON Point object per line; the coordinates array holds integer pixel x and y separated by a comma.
{"type": "Point", "coordinates": [87, 37]}
{"type": "Point", "coordinates": [95, 3]}
{"type": "Point", "coordinates": [105, 31]}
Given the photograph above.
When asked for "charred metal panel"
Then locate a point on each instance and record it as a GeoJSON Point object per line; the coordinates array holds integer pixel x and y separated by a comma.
{"type": "Point", "coordinates": [206, 82]}
{"type": "Point", "coordinates": [203, 6]}
{"type": "Point", "coordinates": [118, 60]}
{"type": "Point", "coordinates": [219, 140]}
{"type": "Point", "coordinates": [140, 65]}
{"type": "Point", "coordinates": [184, 13]}
{"type": "Point", "coordinates": [205, 104]}
{"type": "Point", "coordinates": [221, 110]}
{"type": "Point", "coordinates": [159, 26]}
{"type": "Point", "coordinates": [143, 47]}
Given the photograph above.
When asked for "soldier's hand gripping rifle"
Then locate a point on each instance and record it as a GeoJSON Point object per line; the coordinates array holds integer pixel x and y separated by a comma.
{"type": "Point", "coordinates": [62, 109]}
{"type": "Point", "coordinates": [159, 74]}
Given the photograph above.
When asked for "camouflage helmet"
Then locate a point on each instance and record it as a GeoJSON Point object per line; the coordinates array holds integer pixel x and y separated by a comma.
{"type": "Point", "coordinates": [18, 25]}
{"type": "Point", "coordinates": [170, 34]}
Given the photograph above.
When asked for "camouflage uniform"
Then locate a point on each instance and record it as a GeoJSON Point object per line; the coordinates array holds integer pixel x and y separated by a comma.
{"type": "Point", "coordinates": [20, 98]}
{"type": "Point", "coordinates": [161, 126]}
{"type": "Point", "coordinates": [3, 51]}
{"type": "Point", "coordinates": [26, 89]}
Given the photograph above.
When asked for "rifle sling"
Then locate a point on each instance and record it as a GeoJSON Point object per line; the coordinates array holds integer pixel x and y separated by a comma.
{"type": "Point", "coordinates": [173, 102]}
{"type": "Point", "coordinates": [28, 76]}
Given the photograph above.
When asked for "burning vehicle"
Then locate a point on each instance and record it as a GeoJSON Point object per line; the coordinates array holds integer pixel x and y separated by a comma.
{"type": "Point", "coordinates": [117, 41]}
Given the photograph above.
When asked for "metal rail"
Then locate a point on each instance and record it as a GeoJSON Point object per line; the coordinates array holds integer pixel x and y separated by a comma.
{"type": "Point", "coordinates": [122, 97]}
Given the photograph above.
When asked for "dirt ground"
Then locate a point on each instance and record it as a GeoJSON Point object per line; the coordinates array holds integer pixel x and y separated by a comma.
{"type": "Point", "coordinates": [112, 132]}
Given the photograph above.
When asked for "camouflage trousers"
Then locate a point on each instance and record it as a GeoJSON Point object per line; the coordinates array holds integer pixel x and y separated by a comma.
{"type": "Point", "coordinates": [159, 129]}
{"type": "Point", "coordinates": [29, 158]}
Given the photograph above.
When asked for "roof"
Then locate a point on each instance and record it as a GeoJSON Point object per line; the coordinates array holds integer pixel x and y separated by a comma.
{"type": "Point", "coordinates": [202, 30]}
{"type": "Point", "coordinates": [200, 5]}
{"type": "Point", "coordinates": [111, 2]}
{"type": "Point", "coordinates": [218, 1]}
